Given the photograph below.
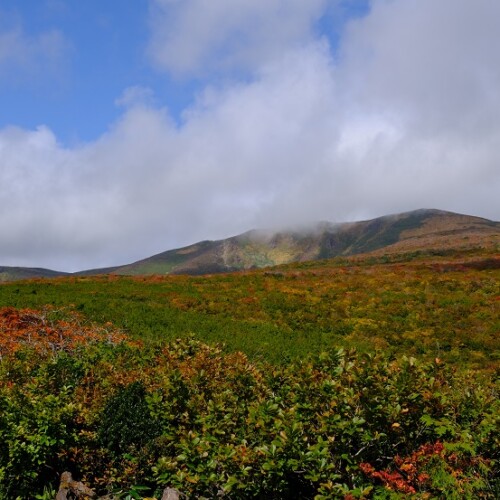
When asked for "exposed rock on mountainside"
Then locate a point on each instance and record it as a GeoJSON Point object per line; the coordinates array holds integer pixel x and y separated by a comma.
{"type": "Point", "coordinates": [417, 230]}
{"type": "Point", "coordinates": [411, 231]}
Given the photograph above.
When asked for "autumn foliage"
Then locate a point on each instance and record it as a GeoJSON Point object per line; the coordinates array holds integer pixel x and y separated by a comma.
{"type": "Point", "coordinates": [130, 420]}
{"type": "Point", "coordinates": [408, 476]}
{"type": "Point", "coordinates": [37, 329]}
{"type": "Point", "coordinates": [350, 379]}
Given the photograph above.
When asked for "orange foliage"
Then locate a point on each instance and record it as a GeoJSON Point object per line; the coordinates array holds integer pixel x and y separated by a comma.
{"type": "Point", "coordinates": [28, 327]}
{"type": "Point", "coordinates": [408, 476]}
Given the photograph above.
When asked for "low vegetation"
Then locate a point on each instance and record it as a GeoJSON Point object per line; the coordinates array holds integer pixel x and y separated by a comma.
{"type": "Point", "coordinates": [359, 378]}
{"type": "Point", "coordinates": [419, 304]}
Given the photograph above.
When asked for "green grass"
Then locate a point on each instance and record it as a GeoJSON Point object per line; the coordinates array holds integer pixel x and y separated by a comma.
{"type": "Point", "coordinates": [422, 305]}
{"type": "Point", "coordinates": [296, 418]}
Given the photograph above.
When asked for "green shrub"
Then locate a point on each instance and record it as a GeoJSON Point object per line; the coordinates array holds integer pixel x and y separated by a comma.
{"type": "Point", "coordinates": [189, 416]}
{"type": "Point", "coordinates": [125, 422]}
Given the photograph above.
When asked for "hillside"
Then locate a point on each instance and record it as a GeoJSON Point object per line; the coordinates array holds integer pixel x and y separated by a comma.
{"type": "Point", "coordinates": [353, 377]}
{"type": "Point", "coordinates": [19, 273]}
{"type": "Point", "coordinates": [444, 304]}
{"type": "Point", "coordinates": [410, 231]}
{"type": "Point", "coordinates": [424, 229]}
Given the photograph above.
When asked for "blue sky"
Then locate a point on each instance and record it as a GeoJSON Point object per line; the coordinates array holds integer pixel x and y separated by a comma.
{"type": "Point", "coordinates": [131, 127]}
{"type": "Point", "coordinates": [103, 51]}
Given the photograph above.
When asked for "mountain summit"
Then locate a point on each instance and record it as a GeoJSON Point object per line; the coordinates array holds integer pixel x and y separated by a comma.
{"type": "Point", "coordinates": [425, 229]}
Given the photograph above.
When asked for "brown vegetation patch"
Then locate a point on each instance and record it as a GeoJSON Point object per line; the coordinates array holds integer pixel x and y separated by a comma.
{"type": "Point", "coordinates": [41, 331]}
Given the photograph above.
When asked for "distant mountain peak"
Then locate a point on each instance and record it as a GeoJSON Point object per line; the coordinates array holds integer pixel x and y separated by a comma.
{"type": "Point", "coordinates": [421, 229]}
{"type": "Point", "coordinates": [407, 231]}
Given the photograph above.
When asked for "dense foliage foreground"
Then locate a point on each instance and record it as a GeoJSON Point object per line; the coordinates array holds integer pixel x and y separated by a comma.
{"type": "Point", "coordinates": [131, 418]}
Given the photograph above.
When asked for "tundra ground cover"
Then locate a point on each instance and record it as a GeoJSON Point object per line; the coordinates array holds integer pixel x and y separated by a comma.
{"type": "Point", "coordinates": [432, 306]}
{"type": "Point", "coordinates": [93, 381]}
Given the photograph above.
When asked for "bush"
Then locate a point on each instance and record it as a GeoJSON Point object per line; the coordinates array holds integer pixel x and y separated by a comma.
{"type": "Point", "coordinates": [126, 425]}
{"type": "Point", "coordinates": [186, 415]}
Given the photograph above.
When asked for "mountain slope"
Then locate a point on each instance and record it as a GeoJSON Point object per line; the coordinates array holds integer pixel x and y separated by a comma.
{"type": "Point", "coordinates": [19, 273]}
{"type": "Point", "coordinates": [410, 231]}
{"type": "Point", "coordinates": [425, 229]}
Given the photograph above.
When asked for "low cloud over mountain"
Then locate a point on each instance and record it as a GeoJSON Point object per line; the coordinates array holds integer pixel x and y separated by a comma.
{"type": "Point", "coordinates": [397, 108]}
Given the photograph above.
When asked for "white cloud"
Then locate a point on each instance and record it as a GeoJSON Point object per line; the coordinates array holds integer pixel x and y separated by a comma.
{"type": "Point", "coordinates": [136, 95]}
{"type": "Point", "coordinates": [408, 117]}
{"type": "Point", "coordinates": [193, 37]}
{"type": "Point", "coordinates": [434, 63]}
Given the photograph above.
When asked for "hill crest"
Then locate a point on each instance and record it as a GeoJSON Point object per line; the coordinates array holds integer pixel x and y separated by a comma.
{"type": "Point", "coordinates": [423, 229]}
{"type": "Point", "coordinates": [408, 231]}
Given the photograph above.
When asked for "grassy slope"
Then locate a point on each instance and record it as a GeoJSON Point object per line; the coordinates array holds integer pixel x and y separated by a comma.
{"type": "Point", "coordinates": [419, 229]}
{"type": "Point", "coordinates": [436, 305]}
{"type": "Point", "coordinates": [13, 273]}
{"type": "Point", "coordinates": [343, 425]}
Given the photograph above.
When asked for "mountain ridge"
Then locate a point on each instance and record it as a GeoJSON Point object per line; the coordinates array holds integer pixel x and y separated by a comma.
{"type": "Point", "coordinates": [258, 248]}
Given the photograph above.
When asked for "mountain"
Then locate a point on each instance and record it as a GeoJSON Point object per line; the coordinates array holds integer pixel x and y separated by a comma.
{"type": "Point", "coordinates": [19, 273]}
{"type": "Point", "coordinates": [425, 229]}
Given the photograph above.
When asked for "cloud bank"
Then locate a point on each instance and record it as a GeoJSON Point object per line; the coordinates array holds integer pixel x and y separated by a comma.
{"type": "Point", "coordinates": [403, 114]}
